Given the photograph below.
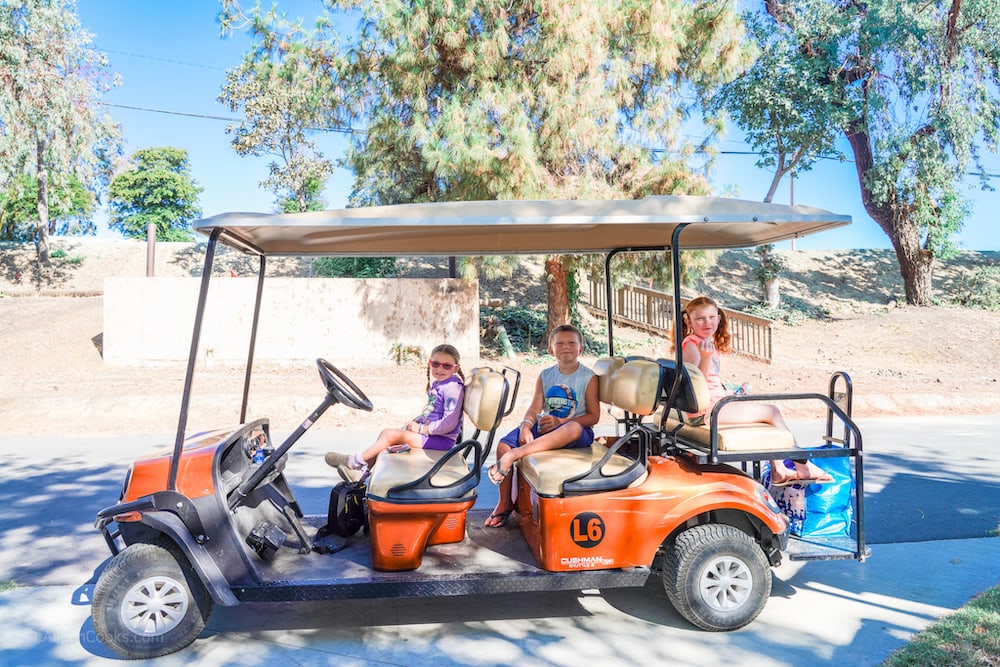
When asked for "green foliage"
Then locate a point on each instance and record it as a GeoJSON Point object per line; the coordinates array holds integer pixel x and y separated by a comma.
{"type": "Point", "coordinates": [486, 266]}
{"type": "Point", "coordinates": [501, 99]}
{"type": "Point", "coordinates": [284, 101]}
{"type": "Point", "coordinates": [157, 190]}
{"type": "Point", "coordinates": [310, 198]}
{"type": "Point", "coordinates": [969, 637]}
{"type": "Point", "coordinates": [6, 585]}
{"type": "Point", "coordinates": [651, 269]}
{"type": "Point", "coordinates": [52, 125]}
{"type": "Point", "coordinates": [770, 266]}
{"type": "Point", "coordinates": [354, 267]}
{"type": "Point", "coordinates": [60, 253]}
{"type": "Point", "coordinates": [787, 115]}
{"type": "Point", "coordinates": [785, 313]}
{"type": "Point", "coordinates": [911, 86]}
{"type": "Point", "coordinates": [979, 288]}
{"type": "Point", "coordinates": [526, 328]}
{"type": "Point", "coordinates": [70, 206]}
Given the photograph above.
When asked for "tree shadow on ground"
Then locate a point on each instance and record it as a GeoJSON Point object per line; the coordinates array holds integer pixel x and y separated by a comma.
{"type": "Point", "coordinates": [229, 262]}
{"type": "Point", "coordinates": [20, 266]}
{"type": "Point", "coordinates": [922, 502]}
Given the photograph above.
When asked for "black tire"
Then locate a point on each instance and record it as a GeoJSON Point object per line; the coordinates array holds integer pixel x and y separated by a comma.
{"type": "Point", "coordinates": [149, 602]}
{"type": "Point", "coordinates": [717, 577]}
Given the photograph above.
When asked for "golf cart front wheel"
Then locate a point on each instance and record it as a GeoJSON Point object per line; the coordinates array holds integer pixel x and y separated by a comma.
{"type": "Point", "coordinates": [149, 602]}
{"type": "Point", "coordinates": [717, 577]}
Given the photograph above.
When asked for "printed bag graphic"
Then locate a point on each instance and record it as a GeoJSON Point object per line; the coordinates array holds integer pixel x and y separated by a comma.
{"type": "Point", "coordinates": [818, 510]}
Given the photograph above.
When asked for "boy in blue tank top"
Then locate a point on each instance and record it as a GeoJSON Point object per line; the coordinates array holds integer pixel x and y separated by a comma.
{"type": "Point", "coordinates": [562, 414]}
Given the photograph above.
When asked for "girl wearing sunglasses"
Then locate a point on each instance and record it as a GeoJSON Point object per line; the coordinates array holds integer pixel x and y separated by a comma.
{"type": "Point", "coordinates": [437, 427]}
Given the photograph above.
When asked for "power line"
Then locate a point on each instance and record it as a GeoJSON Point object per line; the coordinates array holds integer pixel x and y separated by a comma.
{"type": "Point", "coordinates": [173, 113]}
{"type": "Point", "coordinates": [351, 130]}
{"type": "Point", "coordinates": [227, 119]}
{"type": "Point", "coordinates": [164, 60]}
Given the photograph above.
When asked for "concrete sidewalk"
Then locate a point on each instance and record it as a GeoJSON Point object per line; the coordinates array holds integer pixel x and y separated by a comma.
{"type": "Point", "coordinates": [933, 507]}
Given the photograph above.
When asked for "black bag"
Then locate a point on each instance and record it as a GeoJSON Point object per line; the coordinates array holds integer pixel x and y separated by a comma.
{"type": "Point", "coordinates": [348, 512]}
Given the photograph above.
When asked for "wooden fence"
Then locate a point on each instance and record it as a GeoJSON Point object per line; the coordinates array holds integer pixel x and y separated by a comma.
{"type": "Point", "coordinates": [652, 310]}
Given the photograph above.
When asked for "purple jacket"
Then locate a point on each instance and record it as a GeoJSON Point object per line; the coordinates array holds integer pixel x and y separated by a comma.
{"type": "Point", "coordinates": [443, 412]}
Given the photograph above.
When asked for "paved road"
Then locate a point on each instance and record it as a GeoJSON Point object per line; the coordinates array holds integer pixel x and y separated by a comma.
{"type": "Point", "coordinates": [932, 498]}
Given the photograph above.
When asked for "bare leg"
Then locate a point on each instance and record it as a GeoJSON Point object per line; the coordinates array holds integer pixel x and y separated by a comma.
{"type": "Point", "coordinates": [387, 438]}
{"type": "Point", "coordinates": [507, 456]}
{"type": "Point", "coordinates": [750, 412]}
{"type": "Point", "coordinates": [498, 517]}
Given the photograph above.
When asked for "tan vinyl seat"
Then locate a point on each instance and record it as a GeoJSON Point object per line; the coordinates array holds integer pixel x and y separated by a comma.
{"type": "Point", "coordinates": [633, 387]}
{"type": "Point", "coordinates": [547, 471]}
{"type": "Point", "coordinates": [394, 470]}
{"type": "Point", "coordinates": [421, 497]}
{"type": "Point", "coordinates": [605, 368]}
{"type": "Point", "coordinates": [485, 391]}
{"type": "Point", "coordinates": [731, 437]}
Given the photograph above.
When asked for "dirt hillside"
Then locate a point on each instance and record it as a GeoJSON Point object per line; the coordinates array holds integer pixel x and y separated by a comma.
{"type": "Point", "coordinates": [903, 360]}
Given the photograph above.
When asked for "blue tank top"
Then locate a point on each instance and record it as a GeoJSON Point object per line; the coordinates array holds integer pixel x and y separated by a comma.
{"type": "Point", "coordinates": [566, 395]}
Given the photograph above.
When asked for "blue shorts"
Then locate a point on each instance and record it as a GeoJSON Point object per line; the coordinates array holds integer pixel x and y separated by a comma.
{"type": "Point", "coordinates": [585, 439]}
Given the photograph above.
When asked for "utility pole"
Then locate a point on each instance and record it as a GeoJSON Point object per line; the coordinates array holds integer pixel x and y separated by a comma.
{"type": "Point", "coordinates": [791, 198]}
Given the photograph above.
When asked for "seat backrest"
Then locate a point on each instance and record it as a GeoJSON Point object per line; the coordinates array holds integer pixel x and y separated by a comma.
{"type": "Point", "coordinates": [605, 368]}
{"type": "Point", "coordinates": [636, 386]}
{"type": "Point", "coordinates": [692, 391]}
{"type": "Point", "coordinates": [485, 393]}
{"type": "Point", "coordinates": [699, 395]}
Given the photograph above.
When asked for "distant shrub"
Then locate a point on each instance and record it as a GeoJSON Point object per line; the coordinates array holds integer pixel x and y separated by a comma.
{"type": "Point", "coordinates": [60, 253]}
{"type": "Point", "coordinates": [527, 329]}
{"type": "Point", "coordinates": [790, 312]}
{"type": "Point", "coordinates": [979, 288]}
{"type": "Point", "coordinates": [779, 314]}
{"type": "Point", "coordinates": [355, 267]}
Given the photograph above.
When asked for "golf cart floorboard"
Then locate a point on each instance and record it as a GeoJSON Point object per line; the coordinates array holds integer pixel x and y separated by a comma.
{"type": "Point", "coordinates": [487, 561]}
{"type": "Point", "coordinates": [825, 548]}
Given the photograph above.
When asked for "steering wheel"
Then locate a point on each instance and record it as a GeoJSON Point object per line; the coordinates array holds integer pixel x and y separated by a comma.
{"type": "Point", "coordinates": [334, 381]}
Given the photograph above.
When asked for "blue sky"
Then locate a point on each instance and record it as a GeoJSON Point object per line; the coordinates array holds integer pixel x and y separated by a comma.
{"type": "Point", "coordinates": [171, 57]}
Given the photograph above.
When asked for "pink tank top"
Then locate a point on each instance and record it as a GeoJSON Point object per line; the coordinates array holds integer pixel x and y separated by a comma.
{"type": "Point", "coordinates": [716, 388]}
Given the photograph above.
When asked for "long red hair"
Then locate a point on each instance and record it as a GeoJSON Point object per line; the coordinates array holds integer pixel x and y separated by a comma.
{"type": "Point", "coordinates": [722, 337]}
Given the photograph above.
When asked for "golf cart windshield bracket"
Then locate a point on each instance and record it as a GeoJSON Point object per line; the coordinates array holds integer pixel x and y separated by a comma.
{"type": "Point", "coordinates": [206, 276]}
{"type": "Point", "coordinates": [608, 288]}
{"type": "Point", "coordinates": [253, 339]}
{"type": "Point", "coordinates": [192, 357]}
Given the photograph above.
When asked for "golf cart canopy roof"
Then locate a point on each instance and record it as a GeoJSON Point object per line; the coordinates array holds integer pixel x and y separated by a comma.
{"type": "Point", "coordinates": [518, 227]}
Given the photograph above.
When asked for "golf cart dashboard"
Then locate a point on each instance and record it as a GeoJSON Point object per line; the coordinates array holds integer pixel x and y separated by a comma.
{"type": "Point", "coordinates": [245, 452]}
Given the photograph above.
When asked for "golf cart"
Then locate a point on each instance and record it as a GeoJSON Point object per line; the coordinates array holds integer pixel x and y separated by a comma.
{"type": "Point", "coordinates": [215, 521]}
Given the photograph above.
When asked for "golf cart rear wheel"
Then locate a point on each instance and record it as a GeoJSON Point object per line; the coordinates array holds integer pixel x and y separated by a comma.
{"type": "Point", "coordinates": [717, 577]}
{"type": "Point", "coordinates": [149, 602]}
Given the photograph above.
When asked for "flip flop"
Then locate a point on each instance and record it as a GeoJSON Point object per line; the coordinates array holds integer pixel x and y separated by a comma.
{"type": "Point", "coordinates": [503, 516]}
{"type": "Point", "coordinates": [804, 481]}
{"type": "Point", "coordinates": [495, 470]}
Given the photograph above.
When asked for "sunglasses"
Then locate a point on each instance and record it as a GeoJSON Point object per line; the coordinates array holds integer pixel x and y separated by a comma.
{"type": "Point", "coordinates": [442, 364]}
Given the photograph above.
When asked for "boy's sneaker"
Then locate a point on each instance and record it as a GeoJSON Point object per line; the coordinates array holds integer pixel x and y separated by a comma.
{"type": "Point", "coordinates": [336, 459]}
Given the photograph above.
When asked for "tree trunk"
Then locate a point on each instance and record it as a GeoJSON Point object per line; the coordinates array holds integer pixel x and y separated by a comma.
{"type": "Point", "coordinates": [916, 264]}
{"type": "Point", "coordinates": [42, 233]}
{"type": "Point", "coordinates": [558, 292]}
{"type": "Point", "coordinates": [772, 292]}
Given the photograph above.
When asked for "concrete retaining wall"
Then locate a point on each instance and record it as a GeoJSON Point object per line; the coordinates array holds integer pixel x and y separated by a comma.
{"type": "Point", "coordinates": [148, 321]}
